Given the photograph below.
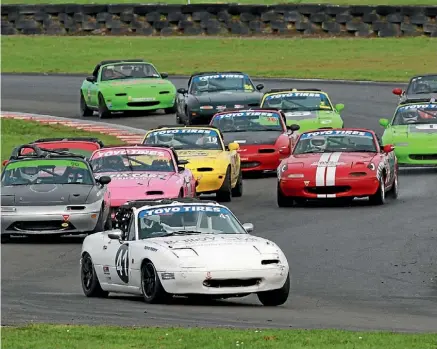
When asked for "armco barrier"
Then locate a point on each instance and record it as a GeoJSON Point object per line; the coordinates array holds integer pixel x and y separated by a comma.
{"type": "Point", "coordinates": [219, 19]}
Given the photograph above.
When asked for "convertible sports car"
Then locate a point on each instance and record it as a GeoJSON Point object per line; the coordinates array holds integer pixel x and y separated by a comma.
{"type": "Point", "coordinates": [143, 172]}
{"type": "Point", "coordinates": [310, 108]}
{"type": "Point", "coordinates": [212, 92]}
{"type": "Point", "coordinates": [338, 164]}
{"type": "Point", "coordinates": [216, 167]}
{"type": "Point", "coordinates": [262, 134]}
{"type": "Point", "coordinates": [413, 131]}
{"type": "Point", "coordinates": [52, 194]}
{"type": "Point", "coordinates": [421, 88]}
{"type": "Point", "coordinates": [126, 85]}
{"type": "Point", "coordinates": [184, 247]}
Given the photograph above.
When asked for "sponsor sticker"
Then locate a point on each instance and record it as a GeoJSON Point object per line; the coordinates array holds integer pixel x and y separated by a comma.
{"type": "Point", "coordinates": [181, 209]}
{"type": "Point", "coordinates": [294, 94]}
{"type": "Point", "coordinates": [126, 176]}
{"type": "Point", "coordinates": [229, 115]}
{"type": "Point", "coordinates": [131, 151]}
{"type": "Point", "coordinates": [335, 133]}
{"type": "Point", "coordinates": [418, 106]}
{"type": "Point", "coordinates": [221, 76]}
{"type": "Point", "coordinates": [183, 131]}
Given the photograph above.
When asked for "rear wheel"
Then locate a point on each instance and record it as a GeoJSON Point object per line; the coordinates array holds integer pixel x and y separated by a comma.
{"type": "Point", "coordinates": [224, 194]}
{"type": "Point", "coordinates": [89, 280]}
{"type": "Point", "coordinates": [275, 297]}
{"type": "Point", "coordinates": [84, 110]}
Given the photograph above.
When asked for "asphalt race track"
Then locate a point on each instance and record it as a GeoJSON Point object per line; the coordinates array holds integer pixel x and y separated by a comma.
{"type": "Point", "coordinates": [358, 267]}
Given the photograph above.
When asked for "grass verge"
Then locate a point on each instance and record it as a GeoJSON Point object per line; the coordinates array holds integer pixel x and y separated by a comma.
{"type": "Point", "coordinates": [17, 132]}
{"type": "Point", "coordinates": [264, 2]}
{"type": "Point", "coordinates": [380, 59]}
{"type": "Point", "coordinates": [104, 337]}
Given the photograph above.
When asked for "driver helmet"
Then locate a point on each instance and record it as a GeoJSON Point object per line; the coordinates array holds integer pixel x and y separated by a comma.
{"type": "Point", "coordinates": [152, 221]}
{"type": "Point", "coordinates": [165, 138]}
{"type": "Point", "coordinates": [114, 161]}
{"type": "Point", "coordinates": [274, 103]}
{"type": "Point", "coordinates": [227, 124]}
{"type": "Point", "coordinates": [202, 85]}
{"type": "Point", "coordinates": [410, 117]}
{"type": "Point", "coordinates": [29, 173]}
{"type": "Point", "coordinates": [318, 143]}
{"type": "Point", "coordinates": [109, 72]}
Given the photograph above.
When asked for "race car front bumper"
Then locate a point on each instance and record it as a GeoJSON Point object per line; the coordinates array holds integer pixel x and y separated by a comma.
{"type": "Point", "coordinates": [48, 220]}
{"type": "Point", "coordinates": [416, 157]}
{"type": "Point", "coordinates": [209, 182]}
{"type": "Point", "coordinates": [344, 188]}
{"type": "Point", "coordinates": [125, 103]}
{"type": "Point", "coordinates": [223, 282]}
{"type": "Point", "coordinates": [253, 162]}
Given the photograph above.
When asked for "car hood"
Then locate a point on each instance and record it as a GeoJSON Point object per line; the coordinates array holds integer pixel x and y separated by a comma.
{"type": "Point", "coordinates": [421, 132]}
{"type": "Point", "coordinates": [310, 119]}
{"type": "Point", "coordinates": [230, 99]}
{"type": "Point", "coordinates": [345, 159]}
{"type": "Point", "coordinates": [242, 250]}
{"type": "Point", "coordinates": [199, 155]}
{"type": "Point", "coordinates": [45, 194]}
{"type": "Point", "coordinates": [252, 137]}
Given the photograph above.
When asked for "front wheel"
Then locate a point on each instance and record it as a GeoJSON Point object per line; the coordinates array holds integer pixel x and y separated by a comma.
{"type": "Point", "coordinates": [104, 112]}
{"type": "Point", "coordinates": [394, 191]}
{"type": "Point", "coordinates": [224, 194]}
{"type": "Point", "coordinates": [282, 200]}
{"type": "Point", "coordinates": [275, 297]}
{"type": "Point", "coordinates": [84, 110]}
{"type": "Point", "coordinates": [172, 109]}
{"type": "Point", "coordinates": [237, 191]}
{"type": "Point", "coordinates": [379, 197]}
{"type": "Point", "coordinates": [151, 286]}
{"type": "Point", "coordinates": [90, 282]}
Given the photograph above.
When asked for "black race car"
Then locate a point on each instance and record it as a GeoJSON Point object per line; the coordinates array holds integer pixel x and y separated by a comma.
{"type": "Point", "coordinates": [421, 88]}
{"type": "Point", "coordinates": [213, 92]}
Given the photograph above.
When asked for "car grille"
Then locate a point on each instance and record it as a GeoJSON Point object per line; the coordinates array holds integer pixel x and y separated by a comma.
{"type": "Point", "coordinates": [423, 156]}
{"type": "Point", "coordinates": [249, 164]}
{"type": "Point", "coordinates": [328, 190]}
{"type": "Point", "coordinates": [213, 283]}
{"type": "Point", "coordinates": [41, 226]}
{"type": "Point", "coordinates": [142, 104]}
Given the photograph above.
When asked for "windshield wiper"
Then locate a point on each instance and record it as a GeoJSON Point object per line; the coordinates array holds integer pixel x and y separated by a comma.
{"type": "Point", "coordinates": [183, 232]}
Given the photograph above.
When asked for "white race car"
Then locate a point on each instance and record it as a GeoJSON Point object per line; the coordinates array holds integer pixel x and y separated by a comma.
{"type": "Point", "coordinates": [183, 247]}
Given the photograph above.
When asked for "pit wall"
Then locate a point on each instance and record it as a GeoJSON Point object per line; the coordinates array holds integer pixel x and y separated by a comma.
{"type": "Point", "coordinates": [220, 20]}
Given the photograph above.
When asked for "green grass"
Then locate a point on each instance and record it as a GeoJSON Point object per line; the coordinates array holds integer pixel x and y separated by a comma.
{"type": "Point", "coordinates": [103, 337]}
{"type": "Point", "coordinates": [383, 59]}
{"type": "Point", "coordinates": [17, 132]}
{"type": "Point", "coordinates": [264, 2]}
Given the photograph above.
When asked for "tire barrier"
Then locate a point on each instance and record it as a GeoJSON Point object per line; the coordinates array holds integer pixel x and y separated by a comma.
{"type": "Point", "coordinates": [220, 19]}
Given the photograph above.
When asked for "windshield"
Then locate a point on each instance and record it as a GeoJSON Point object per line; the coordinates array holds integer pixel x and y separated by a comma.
{"type": "Point", "coordinates": [247, 121]}
{"type": "Point", "coordinates": [423, 84]}
{"type": "Point", "coordinates": [129, 71]}
{"type": "Point", "coordinates": [185, 220]}
{"type": "Point", "coordinates": [335, 141]}
{"type": "Point", "coordinates": [53, 171]}
{"type": "Point", "coordinates": [128, 159]}
{"type": "Point", "coordinates": [186, 138]}
{"type": "Point", "coordinates": [84, 149]}
{"type": "Point", "coordinates": [221, 82]}
{"type": "Point", "coordinates": [297, 101]}
{"type": "Point", "coordinates": [416, 114]}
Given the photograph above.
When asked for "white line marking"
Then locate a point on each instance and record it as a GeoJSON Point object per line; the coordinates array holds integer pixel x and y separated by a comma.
{"type": "Point", "coordinates": [321, 170]}
{"type": "Point", "coordinates": [330, 172]}
{"type": "Point", "coordinates": [321, 196]}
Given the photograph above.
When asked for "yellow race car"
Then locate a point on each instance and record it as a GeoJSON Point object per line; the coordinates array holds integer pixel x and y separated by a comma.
{"type": "Point", "coordinates": [215, 165]}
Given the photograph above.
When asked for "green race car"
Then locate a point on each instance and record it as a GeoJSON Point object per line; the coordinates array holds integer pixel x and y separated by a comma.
{"type": "Point", "coordinates": [126, 85]}
{"type": "Point", "coordinates": [413, 132]}
{"type": "Point", "coordinates": [310, 109]}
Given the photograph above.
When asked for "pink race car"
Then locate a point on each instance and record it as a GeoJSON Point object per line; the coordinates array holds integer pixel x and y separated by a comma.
{"type": "Point", "coordinates": [143, 172]}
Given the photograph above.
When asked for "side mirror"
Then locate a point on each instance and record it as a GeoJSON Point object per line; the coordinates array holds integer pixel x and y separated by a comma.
{"type": "Point", "coordinates": [397, 91]}
{"type": "Point", "coordinates": [384, 122]}
{"type": "Point", "coordinates": [182, 90]}
{"type": "Point", "coordinates": [248, 227]}
{"type": "Point", "coordinates": [339, 107]}
{"type": "Point", "coordinates": [104, 180]}
{"type": "Point", "coordinates": [115, 234]}
{"type": "Point", "coordinates": [5, 162]}
{"type": "Point", "coordinates": [293, 127]}
{"type": "Point", "coordinates": [233, 146]}
{"type": "Point", "coordinates": [259, 87]}
{"type": "Point", "coordinates": [388, 148]}
{"type": "Point", "coordinates": [164, 75]}
{"type": "Point", "coordinates": [92, 79]}
{"type": "Point", "coordinates": [183, 162]}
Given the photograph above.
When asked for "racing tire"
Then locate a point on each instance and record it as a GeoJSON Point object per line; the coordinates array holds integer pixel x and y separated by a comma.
{"type": "Point", "coordinates": [101, 223]}
{"type": "Point", "coordinates": [394, 191]}
{"type": "Point", "coordinates": [6, 238]}
{"type": "Point", "coordinates": [104, 112]}
{"type": "Point", "coordinates": [282, 200]}
{"type": "Point", "coordinates": [84, 110]}
{"type": "Point", "coordinates": [224, 194]}
{"type": "Point", "coordinates": [275, 297]}
{"type": "Point", "coordinates": [237, 191]}
{"type": "Point", "coordinates": [151, 287]}
{"type": "Point", "coordinates": [379, 197]}
{"type": "Point", "coordinates": [89, 280]}
{"type": "Point", "coordinates": [172, 109]}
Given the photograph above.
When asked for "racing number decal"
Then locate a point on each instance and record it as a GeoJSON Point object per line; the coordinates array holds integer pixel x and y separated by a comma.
{"type": "Point", "coordinates": [122, 263]}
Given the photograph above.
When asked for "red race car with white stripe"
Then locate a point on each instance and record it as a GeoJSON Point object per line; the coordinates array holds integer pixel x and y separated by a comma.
{"type": "Point", "coordinates": [338, 163]}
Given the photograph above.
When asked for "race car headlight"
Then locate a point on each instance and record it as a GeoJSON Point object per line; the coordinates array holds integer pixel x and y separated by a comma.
{"type": "Point", "coordinates": [371, 166]}
{"type": "Point", "coordinates": [401, 144]}
{"type": "Point", "coordinates": [184, 252]}
{"type": "Point", "coordinates": [295, 175]}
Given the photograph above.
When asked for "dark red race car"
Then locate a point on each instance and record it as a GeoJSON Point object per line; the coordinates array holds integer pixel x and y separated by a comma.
{"type": "Point", "coordinates": [77, 145]}
{"type": "Point", "coordinates": [262, 134]}
{"type": "Point", "coordinates": [338, 164]}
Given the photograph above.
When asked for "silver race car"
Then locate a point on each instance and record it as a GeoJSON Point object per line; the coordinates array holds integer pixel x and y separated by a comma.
{"type": "Point", "coordinates": [52, 193]}
{"type": "Point", "coordinates": [183, 247]}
